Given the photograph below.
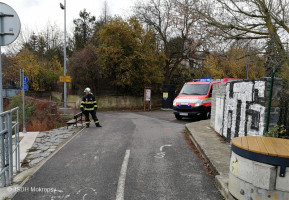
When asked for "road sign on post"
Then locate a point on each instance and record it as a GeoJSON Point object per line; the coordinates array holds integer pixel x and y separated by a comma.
{"type": "Point", "coordinates": [9, 29]}
{"type": "Point", "coordinates": [26, 87]}
{"type": "Point", "coordinates": [65, 79]}
{"type": "Point", "coordinates": [10, 24]}
{"type": "Point", "coordinates": [147, 98]}
{"type": "Point", "coordinates": [25, 79]}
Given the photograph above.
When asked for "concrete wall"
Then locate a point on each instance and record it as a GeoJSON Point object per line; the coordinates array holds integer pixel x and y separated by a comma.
{"type": "Point", "coordinates": [239, 108]}
{"type": "Point", "coordinates": [111, 101]}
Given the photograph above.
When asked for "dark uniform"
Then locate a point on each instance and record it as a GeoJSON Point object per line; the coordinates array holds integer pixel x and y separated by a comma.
{"type": "Point", "coordinates": [88, 105]}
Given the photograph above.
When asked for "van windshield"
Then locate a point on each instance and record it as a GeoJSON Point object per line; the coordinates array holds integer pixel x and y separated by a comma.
{"type": "Point", "coordinates": [195, 89]}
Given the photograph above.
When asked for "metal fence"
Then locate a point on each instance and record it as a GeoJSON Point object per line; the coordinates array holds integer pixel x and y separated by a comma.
{"type": "Point", "coordinates": [9, 146]}
{"type": "Point", "coordinates": [70, 109]}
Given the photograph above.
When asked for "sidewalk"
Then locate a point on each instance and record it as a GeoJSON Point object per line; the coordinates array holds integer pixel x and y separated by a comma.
{"type": "Point", "coordinates": [45, 144]}
{"type": "Point", "coordinates": [26, 143]}
{"type": "Point", "coordinates": [214, 150]}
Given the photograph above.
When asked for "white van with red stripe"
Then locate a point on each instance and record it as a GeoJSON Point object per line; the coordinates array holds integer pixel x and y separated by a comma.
{"type": "Point", "coordinates": [195, 98]}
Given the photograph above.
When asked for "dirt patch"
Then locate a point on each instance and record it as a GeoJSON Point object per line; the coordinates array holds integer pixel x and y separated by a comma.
{"type": "Point", "coordinates": [25, 163]}
{"type": "Point", "coordinates": [198, 154]}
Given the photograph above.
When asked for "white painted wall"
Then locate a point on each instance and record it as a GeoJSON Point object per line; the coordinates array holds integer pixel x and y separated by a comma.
{"type": "Point", "coordinates": [244, 92]}
{"type": "Point", "coordinates": [250, 119]}
{"type": "Point", "coordinates": [219, 115]}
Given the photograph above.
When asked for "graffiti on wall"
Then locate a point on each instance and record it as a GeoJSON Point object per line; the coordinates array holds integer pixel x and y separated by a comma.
{"type": "Point", "coordinates": [244, 109]}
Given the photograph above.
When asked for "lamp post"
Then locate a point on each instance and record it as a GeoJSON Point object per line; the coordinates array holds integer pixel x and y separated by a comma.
{"type": "Point", "coordinates": [63, 7]}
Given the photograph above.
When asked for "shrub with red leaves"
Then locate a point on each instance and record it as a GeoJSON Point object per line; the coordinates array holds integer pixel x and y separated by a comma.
{"type": "Point", "coordinates": [38, 113]}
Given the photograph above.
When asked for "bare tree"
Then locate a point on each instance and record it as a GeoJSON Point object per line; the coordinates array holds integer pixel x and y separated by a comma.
{"type": "Point", "coordinates": [251, 20]}
{"type": "Point", "coordinates": [177, 30]}
{"type": "Point", "coordinates": [105, 12]}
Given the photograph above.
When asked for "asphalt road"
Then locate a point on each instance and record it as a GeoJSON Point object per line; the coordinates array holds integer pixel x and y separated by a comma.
{"type": "Point", "coordinates": [133, 156]}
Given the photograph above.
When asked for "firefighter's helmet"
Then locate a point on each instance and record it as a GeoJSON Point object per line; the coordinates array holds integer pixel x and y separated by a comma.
{"type": "Point", "coordinates": [87, 90]}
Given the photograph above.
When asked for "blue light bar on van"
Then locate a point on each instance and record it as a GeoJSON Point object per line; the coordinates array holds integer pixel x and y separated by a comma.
{"type": "Point", "coordinates": [205, 80]}
{"type": "Point", "coordinates": [202, 80]}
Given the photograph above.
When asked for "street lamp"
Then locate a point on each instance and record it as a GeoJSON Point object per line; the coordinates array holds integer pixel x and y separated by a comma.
{"type": "Point", "coordinates": [63, 7]}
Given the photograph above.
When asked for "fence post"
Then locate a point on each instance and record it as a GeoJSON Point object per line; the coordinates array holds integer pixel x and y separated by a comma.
{"type": "Point", "coordinates": [17, 142]}
{"type": "Point", "coordinates": [3, 178]}
{"type": "Point", "coordinates": [7, 156]}
{"type": "Point", "coordinates": [269, 102]}
{"type": "Point", "coordinates": [10, 146]}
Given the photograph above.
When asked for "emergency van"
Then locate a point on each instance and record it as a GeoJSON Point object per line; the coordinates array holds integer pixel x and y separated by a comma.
{"type": "Point", "coordinates": [195, 98]}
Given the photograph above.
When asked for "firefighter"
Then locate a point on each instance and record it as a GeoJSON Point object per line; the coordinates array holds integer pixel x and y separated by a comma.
{"type": "Point", "coordinates": [88, 105]}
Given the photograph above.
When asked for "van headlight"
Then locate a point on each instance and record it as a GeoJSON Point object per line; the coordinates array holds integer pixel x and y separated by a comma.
{"type": "Point", "coordinates": [175, 103]}
{"type": "Point", "coordinates": [198, 103]}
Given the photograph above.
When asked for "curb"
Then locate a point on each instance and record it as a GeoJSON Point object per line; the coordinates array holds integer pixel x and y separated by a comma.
{"type": "Point", "coordinates": [202, 152]}
{"type": "Point", "coordinates": [221, 180]}
{"type": "Point", "coordinates": [27, 174]}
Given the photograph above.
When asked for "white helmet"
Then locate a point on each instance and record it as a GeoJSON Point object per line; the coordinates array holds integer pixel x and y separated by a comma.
{"type": "Point", "coordinates": [87, 90]}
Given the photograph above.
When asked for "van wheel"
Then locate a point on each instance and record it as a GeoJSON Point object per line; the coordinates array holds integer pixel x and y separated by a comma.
{"type": "Point", "coordinates": [207, 114]}
{"type": "Point", "coordinates": [178, 117]}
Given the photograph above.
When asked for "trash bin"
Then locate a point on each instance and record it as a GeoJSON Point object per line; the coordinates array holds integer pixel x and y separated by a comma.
{"type": "Point", "coordinates": [168, 96]}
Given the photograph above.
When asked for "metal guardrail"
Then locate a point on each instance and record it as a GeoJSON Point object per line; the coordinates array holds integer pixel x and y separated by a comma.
{"type": "Point", "coordinates": [69, 110]}
{"type": "Point", "coordinates": [9, 125]}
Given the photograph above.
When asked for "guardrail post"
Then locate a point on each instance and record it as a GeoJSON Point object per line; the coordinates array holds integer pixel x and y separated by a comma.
{"type": "Point", "coordinates": [10, 146]}
{"type": "Point", "coordinates": [3, 178]}
{"type": "Point", "coordinates": [17, 153]}
{"type": "Point", "coordinates": [7, 158]}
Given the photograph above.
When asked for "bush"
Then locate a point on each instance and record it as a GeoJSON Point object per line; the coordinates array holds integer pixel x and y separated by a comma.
{"type": "Point", "coordinates": [37, 113]}
{"type": "Point", "coordinates": [278, 132]}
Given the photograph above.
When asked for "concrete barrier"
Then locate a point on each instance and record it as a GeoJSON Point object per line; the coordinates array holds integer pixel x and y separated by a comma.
{"type": "Point", "coordinates": [258, 174]}
{"type": "Point", "coordinates": [282, 183]}
{"type": "Point", "coordinates": [243, 190]}
{"type": "Point", "coordinates": [251, 180]}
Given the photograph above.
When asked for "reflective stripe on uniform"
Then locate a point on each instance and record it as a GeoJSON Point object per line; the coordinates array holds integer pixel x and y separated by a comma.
{"type": "Point", "coordinates": [89, 108]}
{"type": "Point", "coordinates": [90, 102]}
{"type": "Point", "coordinates": [96, 122]}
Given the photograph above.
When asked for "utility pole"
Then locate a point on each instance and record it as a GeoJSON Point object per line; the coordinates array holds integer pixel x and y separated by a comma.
{"type": "Point", "coordinates": [23, 97]}
{"type": "Point", "coordinates": [63, 7]}
{"type": "Point", "coordinates": [247, 61]}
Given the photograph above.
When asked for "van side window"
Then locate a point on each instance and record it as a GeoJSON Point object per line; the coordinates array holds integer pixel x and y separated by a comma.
{"type": "Point", "coordinates": [211, 91]}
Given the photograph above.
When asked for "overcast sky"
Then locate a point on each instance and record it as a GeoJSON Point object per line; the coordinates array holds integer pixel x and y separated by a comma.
{"type": "Point", "coordinates": [36, 14]}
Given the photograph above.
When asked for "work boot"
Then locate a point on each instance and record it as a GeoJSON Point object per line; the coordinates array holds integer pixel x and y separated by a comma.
{"type": "Point", "coordinates": [97, 125]}
{"type": "Point", "coordinates": [87, 125]}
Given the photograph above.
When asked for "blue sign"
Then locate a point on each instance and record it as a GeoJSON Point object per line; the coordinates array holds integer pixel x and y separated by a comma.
{"type": "Point", "coordinates": [25, 79]}
{"type": "Point", "coordinates": [26, 87]}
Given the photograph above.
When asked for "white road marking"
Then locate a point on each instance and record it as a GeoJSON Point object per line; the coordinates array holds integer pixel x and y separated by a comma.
{"type": "Point", "coordinates": [167, 145]}
{"type": "Point", "coordinates": [208, 127]}
{"type": "Point", "coordinates": [122, 177]}
{"type": "Point", "coordinates": [162, 154]}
